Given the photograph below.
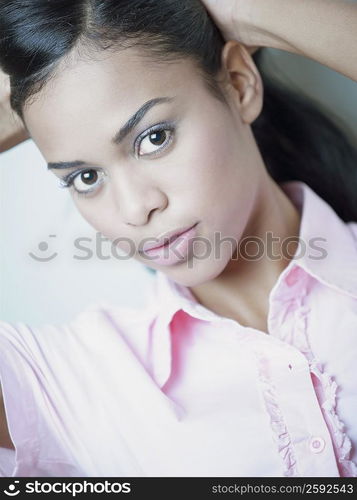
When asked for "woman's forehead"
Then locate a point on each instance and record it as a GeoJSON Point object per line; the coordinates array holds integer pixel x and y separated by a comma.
{"type": "Point", "coordinates": [85, 103]}
{"type": "Point", "coordinates": [121, 78]}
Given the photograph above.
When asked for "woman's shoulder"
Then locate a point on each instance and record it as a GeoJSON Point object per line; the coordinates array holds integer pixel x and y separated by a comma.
{"type": "Point", "coordinates": [34, 354]}
{"type": "Point", "coordinates": [39, 363]}
{"type": "Point", "coordinates": [94, 320]}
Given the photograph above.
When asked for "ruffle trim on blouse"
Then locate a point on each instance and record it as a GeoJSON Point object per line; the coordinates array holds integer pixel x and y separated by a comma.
{"type": "Point", "coordinates": [342, 442]}
{"type": "Point", "coordinates": [280, 433]}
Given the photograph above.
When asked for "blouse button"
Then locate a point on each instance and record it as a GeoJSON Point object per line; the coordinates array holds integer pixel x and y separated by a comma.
{"type": "Point", "coordinates": [294, 275]}
{"type": "Point", "coordinates": [317, 444]}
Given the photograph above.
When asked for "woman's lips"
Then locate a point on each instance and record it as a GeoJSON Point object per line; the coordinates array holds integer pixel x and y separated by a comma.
{"type": "Point", "coordinates": [166, 238]}
{"type": "Point", "coordinates": [175, 250]}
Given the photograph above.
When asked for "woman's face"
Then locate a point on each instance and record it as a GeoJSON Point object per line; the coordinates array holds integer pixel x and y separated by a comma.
{"type": "Point", "coordinates": [189, 159]}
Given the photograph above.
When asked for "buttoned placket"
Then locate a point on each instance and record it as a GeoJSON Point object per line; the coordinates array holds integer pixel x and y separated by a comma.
{"type": "Point", "coordinates": [305, 443]}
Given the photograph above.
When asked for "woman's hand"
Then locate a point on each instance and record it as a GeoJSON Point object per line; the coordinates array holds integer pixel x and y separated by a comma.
{"type": "Point", "coordinates": [12, 131]}
{"type": "Point", "coordinates": [233, 20]}
{"type": "Point", "coordinates": [323, 30]}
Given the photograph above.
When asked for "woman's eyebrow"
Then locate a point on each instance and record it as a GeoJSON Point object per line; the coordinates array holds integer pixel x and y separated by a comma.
{"type": "Point", "coordinates": [137, 117]}
{"type": "Point", "coordinates": [120, 135]}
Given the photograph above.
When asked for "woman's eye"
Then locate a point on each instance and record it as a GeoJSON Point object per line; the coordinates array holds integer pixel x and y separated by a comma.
{"type": "Point", "coordinates": [155, 141]}
{"type": "Point", "coordinates": [85, 182]}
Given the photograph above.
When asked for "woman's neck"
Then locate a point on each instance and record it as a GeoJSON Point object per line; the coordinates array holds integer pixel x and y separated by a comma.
{"type": "Point", "coordinates": [241, 291]}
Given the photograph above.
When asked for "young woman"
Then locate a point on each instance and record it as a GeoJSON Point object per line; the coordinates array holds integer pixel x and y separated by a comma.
{"type": "Point", "coordinates": [155, 116]}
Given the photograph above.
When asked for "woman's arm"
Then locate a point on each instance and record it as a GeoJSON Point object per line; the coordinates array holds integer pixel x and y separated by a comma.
{"type": "Point", "coordinates": [5, 439]}
{"type": "Point", "coordinates": [323, 30]}
{"type": "Point", "coordinates": [12, 131]}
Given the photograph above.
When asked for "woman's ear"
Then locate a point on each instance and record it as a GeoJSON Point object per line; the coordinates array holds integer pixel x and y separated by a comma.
{"type": "Point", "coordinates": [243, 80]}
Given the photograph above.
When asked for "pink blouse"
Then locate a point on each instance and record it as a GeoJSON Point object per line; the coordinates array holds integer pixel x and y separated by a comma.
{"type": "Point", "coordinates": [177, 390]}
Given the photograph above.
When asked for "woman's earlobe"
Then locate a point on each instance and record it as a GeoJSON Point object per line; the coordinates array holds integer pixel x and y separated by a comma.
{"type": "Point", "coordinates": [251, 103]}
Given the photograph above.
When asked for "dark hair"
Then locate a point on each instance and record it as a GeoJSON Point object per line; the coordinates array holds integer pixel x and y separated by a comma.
{"type": "Point", "coordinates": [296, 139]}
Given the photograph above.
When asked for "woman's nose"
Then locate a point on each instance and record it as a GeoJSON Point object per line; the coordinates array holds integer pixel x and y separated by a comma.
{"type": "Point", "coordinates": [137, 200]}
